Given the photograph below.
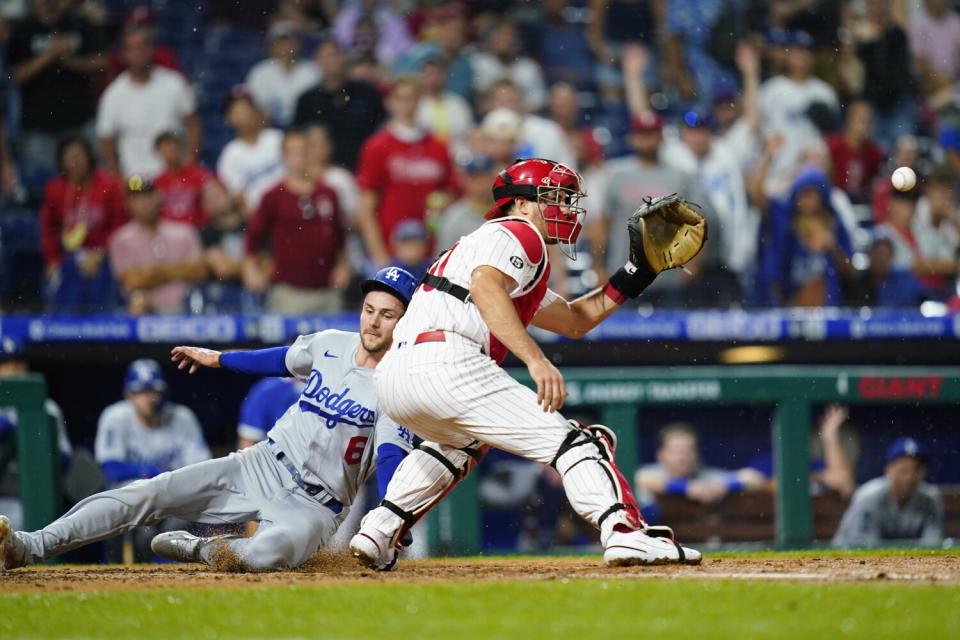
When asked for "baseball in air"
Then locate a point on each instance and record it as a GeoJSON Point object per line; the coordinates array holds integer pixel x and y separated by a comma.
{"type": "Point", "coordinates": [904, 179]}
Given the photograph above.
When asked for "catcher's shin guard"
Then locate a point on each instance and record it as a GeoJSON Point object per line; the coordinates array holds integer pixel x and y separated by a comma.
{"type": "Point", "coordinates": [594, 485]}
{"type": "Point", "coordinates": [421, 481]}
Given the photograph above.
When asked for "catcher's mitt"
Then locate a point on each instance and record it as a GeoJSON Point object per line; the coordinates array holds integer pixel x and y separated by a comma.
{"type": "Point", "coordinates": [666, 232]}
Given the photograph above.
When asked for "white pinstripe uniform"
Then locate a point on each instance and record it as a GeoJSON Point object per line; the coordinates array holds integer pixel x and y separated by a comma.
{"type": "Point", "coordinates": [442, 379]}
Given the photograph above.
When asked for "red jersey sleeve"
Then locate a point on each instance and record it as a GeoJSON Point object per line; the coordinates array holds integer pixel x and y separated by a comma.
{"type": "Point", "coordinates": [514, 248]}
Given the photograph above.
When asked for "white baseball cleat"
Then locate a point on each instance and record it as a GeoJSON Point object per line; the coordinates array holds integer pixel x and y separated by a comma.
{"type": "Point", "coordinates": [374, 550]}
{"type": "Point", "coordinates": [629, 548]}
{"type": "Point", "coordinates": [183, 546]}
{"type": "Point", "coordinates": [12, 552]}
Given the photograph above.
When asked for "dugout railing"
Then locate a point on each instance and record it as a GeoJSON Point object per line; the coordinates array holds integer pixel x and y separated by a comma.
{"type": "Point", "coordinates": [36, 449]}
{"type": "Point", "coordinates": [621, 393]}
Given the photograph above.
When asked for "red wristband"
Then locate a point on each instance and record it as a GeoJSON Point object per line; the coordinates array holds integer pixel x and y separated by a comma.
{"type": "Point", "coordinates": [614, 294]}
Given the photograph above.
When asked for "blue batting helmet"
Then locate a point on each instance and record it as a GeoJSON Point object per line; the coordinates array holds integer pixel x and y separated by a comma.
{"type": "Point", "coordinates": [144, 375]}
{"type": "Point", "coordinates": [393, 280]}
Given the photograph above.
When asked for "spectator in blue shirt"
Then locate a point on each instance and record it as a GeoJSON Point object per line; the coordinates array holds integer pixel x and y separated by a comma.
{"type": "Point", "coordinates": [883, 285]}
{"type": "Point", "coordinates": [807, 252]}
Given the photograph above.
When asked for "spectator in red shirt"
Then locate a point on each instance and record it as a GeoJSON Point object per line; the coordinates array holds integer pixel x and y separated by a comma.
{"type": "Point", "coordinates": [857, 159]}
{"type": "Point", "coordinates": [81, 209]}
{"type": "Point", "coordinates": [180, 184]}
{"type": "Point", "coordinates": [400, 167]}
{"type": "Point", "coordinates": [300, 218]}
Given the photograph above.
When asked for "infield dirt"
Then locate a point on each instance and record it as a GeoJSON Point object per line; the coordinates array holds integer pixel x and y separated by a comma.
{"type": "Point", "coordinates": [331, 568]}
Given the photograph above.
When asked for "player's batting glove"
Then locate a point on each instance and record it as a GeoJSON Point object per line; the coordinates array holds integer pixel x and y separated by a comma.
{"type": "Point", "coordinates": [665, 233]}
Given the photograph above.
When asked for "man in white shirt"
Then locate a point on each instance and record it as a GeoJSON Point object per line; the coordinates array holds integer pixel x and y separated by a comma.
{"type": "Point", "coordinates": [540, 137]}
{"type": "Point", "coordinates": [249, 165]}
{"type": "Point", "coordinates": [502, 59]}
{"type": "Point", "coordinates": [141, 103]}
{"type": "Point", "coordinates": [714, 163]}
{"type": "Point", "coordinates": [443, 113]}
{"type": "Point", "coordinates": [278, 81]}
{"type": "Point", "coordinates": [785, 101]}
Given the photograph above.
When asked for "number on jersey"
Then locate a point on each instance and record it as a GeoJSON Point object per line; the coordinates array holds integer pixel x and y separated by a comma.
{"type": "Point", "coordinates": [354, 451]}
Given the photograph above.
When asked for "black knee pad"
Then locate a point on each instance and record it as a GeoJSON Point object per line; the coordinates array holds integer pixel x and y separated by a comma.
{"type": "Point", "coordinates": [580, 437]}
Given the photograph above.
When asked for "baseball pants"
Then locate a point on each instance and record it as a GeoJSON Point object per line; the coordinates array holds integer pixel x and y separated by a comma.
{"type": "Point", "coordinates": [245, 485]}
{"type": "Point", "coordinates": [458, 399]}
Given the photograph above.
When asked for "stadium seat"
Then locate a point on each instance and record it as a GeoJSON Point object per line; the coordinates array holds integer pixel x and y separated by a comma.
{"type": "Point", "coordinates": [21, 263]}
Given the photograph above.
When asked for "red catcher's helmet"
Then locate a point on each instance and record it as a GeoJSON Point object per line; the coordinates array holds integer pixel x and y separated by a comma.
{"type": "Point", "coordinates": [556, 187]}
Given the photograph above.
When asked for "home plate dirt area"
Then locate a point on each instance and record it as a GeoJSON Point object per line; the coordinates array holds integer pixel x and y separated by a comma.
{"type": "Point", "coordinates": [331, 568]}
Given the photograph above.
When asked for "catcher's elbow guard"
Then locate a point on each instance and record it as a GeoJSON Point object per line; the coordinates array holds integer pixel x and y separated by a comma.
{"type": "Point", "coordinates": [623, 284]}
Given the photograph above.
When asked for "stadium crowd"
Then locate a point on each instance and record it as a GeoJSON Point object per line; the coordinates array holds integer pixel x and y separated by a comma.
{"type": "Point", "coordinates": [264, 155]}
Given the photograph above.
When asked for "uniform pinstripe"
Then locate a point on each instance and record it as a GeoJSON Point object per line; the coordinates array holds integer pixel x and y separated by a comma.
{"type": "Point", "coordinates": [454, 395]}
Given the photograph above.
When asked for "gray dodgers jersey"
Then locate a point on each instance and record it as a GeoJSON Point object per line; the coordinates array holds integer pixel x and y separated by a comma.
{"type": "Point", "coordinates": [331, 434]}
{"type": "Point", "coordinates": [873, 515]}
{"type": "Point", "coordinates": [176, 443]}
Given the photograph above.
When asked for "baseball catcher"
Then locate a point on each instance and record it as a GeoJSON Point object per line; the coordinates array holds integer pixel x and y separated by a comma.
{"type": "Point", "coordinates": [442, 377]}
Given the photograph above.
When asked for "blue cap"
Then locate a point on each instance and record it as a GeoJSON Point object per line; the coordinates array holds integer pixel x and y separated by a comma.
{"type": "Point", "coordinates": [10, 348]}
{"type": "Point", "coordinates": [144, 375]}
{"type": "Point", "coordinates": [476, 164]}
{"type": "Point", "coordinates": [695, 119]}
{"type": "Point", "coordinates": [795, 38]}
{"type": "Point", "coordinates": [723, 94]}
{"type": "Point", "coordinates": [393, 280]}
{"type": "Point", "coordinates": [409, 230]}
{"type": "Point", "coordinates": [906, 447]}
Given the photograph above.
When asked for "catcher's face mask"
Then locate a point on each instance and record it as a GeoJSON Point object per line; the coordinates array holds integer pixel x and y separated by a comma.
{"type": "Point", "coordinates": [557, 190]}
{"type": "Point", "coordinates": [561, 210]}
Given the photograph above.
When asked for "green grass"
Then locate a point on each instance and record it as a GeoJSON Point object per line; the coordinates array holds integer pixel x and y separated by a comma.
{"type": "Point", "coordinates": [610, 609]}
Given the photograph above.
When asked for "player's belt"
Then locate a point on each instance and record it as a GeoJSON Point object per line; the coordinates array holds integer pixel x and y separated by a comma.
{"type": "Point", "coordinates": [443, 284]}
{"type": "Point", "coordinates": [315, 491]}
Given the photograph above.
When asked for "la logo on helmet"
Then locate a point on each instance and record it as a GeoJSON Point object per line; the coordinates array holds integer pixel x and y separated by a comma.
{"type": "Point", "coordinates": [393, 273]}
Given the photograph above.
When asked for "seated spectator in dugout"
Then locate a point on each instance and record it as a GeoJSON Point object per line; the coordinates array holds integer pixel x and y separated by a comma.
{"type": "Point", "coordinates": [678, 472]}
{"type": "Point", "coordinates": [833, 453]}
{"type": "Point", "coordinates": [896, 506]}
{"type": "Point", "coordinates": [145, 435]}
{"type": "Point", "coordinates": [156, 261]}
